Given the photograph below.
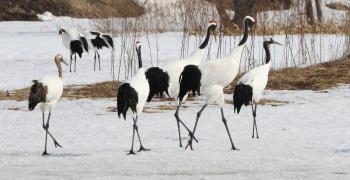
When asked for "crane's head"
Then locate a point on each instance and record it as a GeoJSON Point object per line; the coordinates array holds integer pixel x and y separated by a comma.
{"type": "Point", "coordinates": [37, 94]}
{"type": "Point", "coordinates": [212, 25]}
{"type": "Point", "coordinates": [61, 30]}
{"type": "Point", "coordinates": [269, 40]}
{"type": "Point", "coordinates": [59, 59]}
{"type": "Point", "coordinates": [249, 21]}
{"type": "Point", "coordinates": [138, 45]}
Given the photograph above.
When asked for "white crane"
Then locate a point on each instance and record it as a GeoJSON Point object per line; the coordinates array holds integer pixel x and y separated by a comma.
{"type": "Point", "coordinates": [167, 80]}
{"type": "Point", "coordinates": [75, 41]}
{"type": "Point", "coordinates": [96, 41]}
{"type": "Point", "coordinates": [212, 77]}
{"type": "Point", "coordinates": [46, 92]}
{"type": "Point", "coordinates": [133, 94]}
{"type": "Point", "coordinates": [251, 85]}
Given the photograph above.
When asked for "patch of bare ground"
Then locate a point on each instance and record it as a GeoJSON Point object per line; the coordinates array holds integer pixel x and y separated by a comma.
{"type": "Point", "coordinates": [316, 77]}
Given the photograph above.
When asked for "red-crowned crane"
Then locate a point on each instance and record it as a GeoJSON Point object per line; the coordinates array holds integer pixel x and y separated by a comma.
{"type": "Point", "coordinates": [96, 41]}
{"type": "Point", "coordinates": [167, 80]}
{"type": "Point", "coordinates": [75, 41]}
{"type": "Point", "coordinates": [46, 92]}
{"type": "Point", "coordinates": [133, 94]}
{"type": "Point", "coordinates": [211, 77]}
{"type": "Point", "coordinates": [251, 85]}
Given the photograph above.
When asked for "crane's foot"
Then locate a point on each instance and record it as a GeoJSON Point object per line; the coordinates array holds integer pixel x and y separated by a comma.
{"type": "Point", "coordinates": [57, 145]}
{"type": "Point", "coordinates": [45, 153]}
{"type": "Point", "coordinates": [143, 149]}
{"type": "Point", "coordinates": [131, 152]}
{"type": "Point", "coordinates": [189, 144]}
{"type": "Point", "coordinates": [233, 148]}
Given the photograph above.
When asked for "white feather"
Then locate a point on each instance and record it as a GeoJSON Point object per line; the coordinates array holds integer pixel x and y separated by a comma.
{"type": "Point", "coordinates": [256, 78]}
{"type": "Point", "coordinates": [140, 84]}
{"type": "Point", "coordinates": [54, 92]}
{"type": "Point", "coordinates": [174, 70]}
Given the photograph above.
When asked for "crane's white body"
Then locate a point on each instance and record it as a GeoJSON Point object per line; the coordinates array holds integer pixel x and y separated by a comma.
{"type": "Point", "coordinates": [219, 73]}
{"type": "Point", "coordinates": [89, 36]}
{"type": "Point", "coordinates": [70, 35]}
{"type": "Point", "coordinates": [54, 86]}
{"type": "Point", "coordinates": [256, 78]}
{"type": "Point", "coordinates": [140, 84]}
{"type": "Point", "coordinates": [174, 70]}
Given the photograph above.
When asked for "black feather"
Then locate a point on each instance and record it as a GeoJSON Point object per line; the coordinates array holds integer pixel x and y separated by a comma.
{"type": "Point", "coordinates": [242, 95]}
{"type": "Point", "coordinates": [37, 94]}
{"type": "Point", "coordinates": [158, 81]}
{"type": "Point", "coordinates": [98, 42]}
{"type": "Point", "coordinates": [190, 80]}
{"type": "Point", "coordinates": [75, 47]}
{"type": "Point", "coordinates": [109, 40]}
{"type": "Point", "coordinates": [126, 98]}
{"type": "Point", "coordinates": [85, 43]}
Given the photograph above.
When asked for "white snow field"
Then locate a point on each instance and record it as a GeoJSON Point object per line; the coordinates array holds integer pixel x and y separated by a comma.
{"type": "Point", "coordinates": [308, 138]}
{"type": "Point", "coordinates": [27, 50]}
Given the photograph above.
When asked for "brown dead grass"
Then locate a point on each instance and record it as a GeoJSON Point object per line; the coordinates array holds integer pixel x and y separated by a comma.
{"type": "Point", "coordinates": [316, 77]}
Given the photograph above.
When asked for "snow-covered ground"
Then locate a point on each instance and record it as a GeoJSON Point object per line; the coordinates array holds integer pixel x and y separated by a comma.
{"type": "Point", "coordinates": [308, 138]}
{"type": "Point", "coordinates": [27, 50]}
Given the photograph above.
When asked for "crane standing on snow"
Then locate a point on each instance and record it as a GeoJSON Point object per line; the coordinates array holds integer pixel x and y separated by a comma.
{"type": "Point", "coordinates": [212, 77]}
{"type": "Point", "coordinates": [133, 94]}
{"type": "Point", "coordinates": [46, 93]}
{"type": "Point", "coordinates": [73, 40]}
{"type": "Point", "coordinates": [251, 85]}
{"type": "Point", "coordinates": [167, 80]}
{"type": "Point", "coordinates": [97, 41]}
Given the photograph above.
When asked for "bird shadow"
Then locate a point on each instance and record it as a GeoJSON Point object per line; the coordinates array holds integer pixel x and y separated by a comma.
{"type": "Point", "coordinates": [67, 155]}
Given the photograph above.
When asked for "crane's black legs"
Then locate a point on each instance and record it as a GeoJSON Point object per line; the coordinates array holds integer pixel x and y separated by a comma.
{"type": "Point", "coordinates": [46, 128]}
{"type": "Point", "coordinates": [189, 143]}
{"type": "Point", "coordinates": [75, 62]}
{"type": "Point", "coordinates": [132, 143]}
{"type": "Point", "coordinates": [178, 121]}
{"type": "Point", "coordinates": [95, 61]}
{"type": "Point", "coordinates": [138, 135]}
{"type": "Point", "coordinates": [228, 131]}
{"type": "Point", "coordinates": [255, 128]}
{"type": "Point", "coordinates": [99, 60]}
{"type": "Point", "coordinates": [70, 63]}
{"type": "Point", "coordinates": [135, 128]}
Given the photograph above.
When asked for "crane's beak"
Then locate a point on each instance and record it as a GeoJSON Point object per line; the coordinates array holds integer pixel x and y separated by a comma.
{"type": "Point", "coordinates": [64, 62]}
{"type": "Point", "coordinates": [275, 42]}
{"type": "Point", "coordinates": [215, 36]}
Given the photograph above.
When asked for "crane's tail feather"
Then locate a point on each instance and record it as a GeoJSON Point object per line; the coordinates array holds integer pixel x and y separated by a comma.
{"type": "Point", "coordinates": [242, 95]}
{"type": "Point", "coordinates": [158, 81]}
{"type": "Point", "coordinates": [75, 47]}
{"type": "Point", "coordinates": [126, 98]}
{"type": "Point", "coordinates": [190, 80]}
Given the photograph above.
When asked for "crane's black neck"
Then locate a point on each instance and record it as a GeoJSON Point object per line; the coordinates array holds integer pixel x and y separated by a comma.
{"type": "Point", "coordinates": [206, 40]}
{"type": "Point", "coordinates": [245, 36]}
{"type": "Point", "coordinates": [267, 51]}
{"type": "Point", "coordinates": [138, 50]}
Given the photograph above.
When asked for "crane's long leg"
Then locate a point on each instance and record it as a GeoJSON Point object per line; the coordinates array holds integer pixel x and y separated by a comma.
{"type": "Point", "coordinates": [189, 144]}
{"type": "Point", "coordinates": [228, 131]}
{"type": "Point", "coordinates": [99, 61]}
{"type": "Point", "coordinates": [47, 130]}
{"type": "Point", "coordinates": [95, 61]}
{"type": "Point", "coordinates": [70, 64]}
{"type": "Point", "coordinates": [254, 107]}
{"type": "Point", "coordinates": [178, 120]}
{"type": "Point", "coordinates": [75, 62]}
{"type": "Point", "coordinates": [132, 142]}
{"type": "Point", "coordinates": [138, 135]}
{"type": "Point", "coordinates": [45, 152]}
